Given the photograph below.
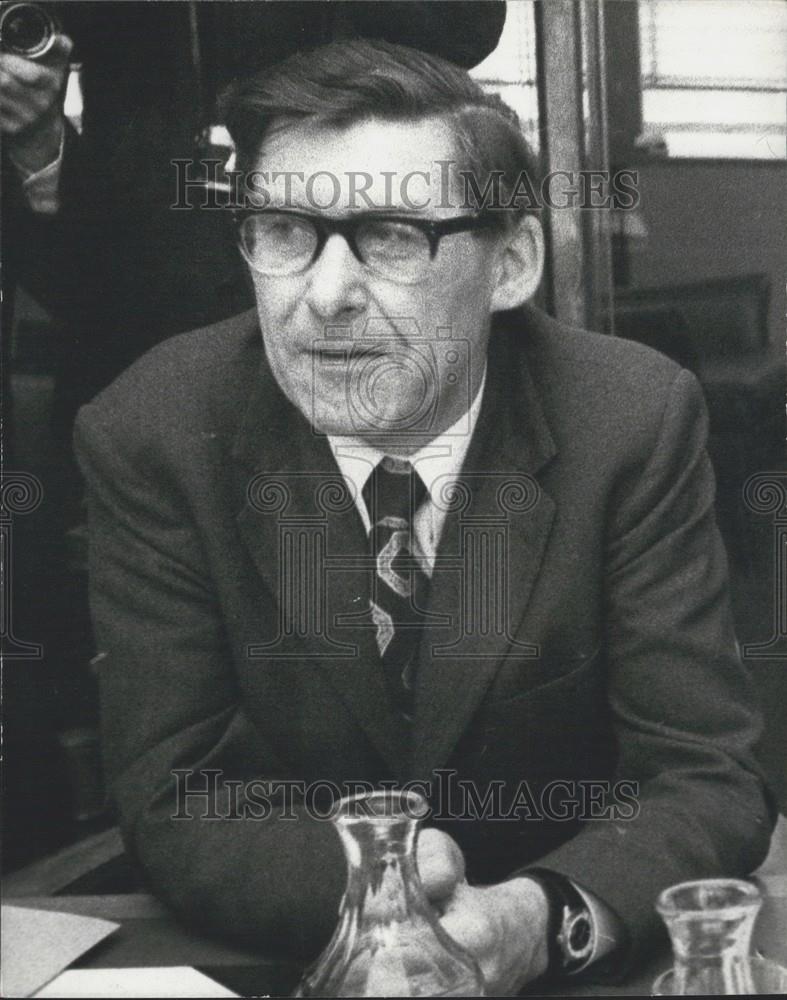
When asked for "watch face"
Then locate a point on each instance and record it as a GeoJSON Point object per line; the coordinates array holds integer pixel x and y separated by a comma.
{"type": "Point", "coordinates": [577, 937]}
{"type": "Point", "coordinates": [579, 934]}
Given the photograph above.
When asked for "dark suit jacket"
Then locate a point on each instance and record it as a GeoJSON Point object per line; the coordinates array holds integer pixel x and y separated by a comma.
{"type": "Point", "coordinates": [615, 659]}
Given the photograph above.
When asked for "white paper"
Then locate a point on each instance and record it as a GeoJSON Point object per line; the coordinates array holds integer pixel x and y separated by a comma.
{"type": "Point", "coordinates": [173, 981]}
{"type": "Point", "coordinates": [37, 944]}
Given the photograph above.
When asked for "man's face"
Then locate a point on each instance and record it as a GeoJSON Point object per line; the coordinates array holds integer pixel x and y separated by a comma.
{"type": "Point", "coordinates": [359, 353]}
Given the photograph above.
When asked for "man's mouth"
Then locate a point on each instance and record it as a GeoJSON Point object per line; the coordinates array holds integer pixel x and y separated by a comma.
{"type": "Point", "coordinates": [329, 352]}
{"type": "Point", "coordinates": [351, 352]}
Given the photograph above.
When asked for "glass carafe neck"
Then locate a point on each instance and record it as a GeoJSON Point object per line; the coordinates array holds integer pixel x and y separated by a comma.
{"type": "Point", "coordinates": [388, 942]}
{"type": "Point", "coordinates": [710, 924]}
{"type": "Point", "coordinates": [382, 880]}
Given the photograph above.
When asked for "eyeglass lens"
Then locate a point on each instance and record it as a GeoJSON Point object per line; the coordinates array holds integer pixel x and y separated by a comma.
{"type": "Point", "coordinates": [277, 243]}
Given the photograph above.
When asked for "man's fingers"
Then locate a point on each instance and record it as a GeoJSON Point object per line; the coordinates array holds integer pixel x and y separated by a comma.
{"type": "Point", "coordinates": [42, 74]}
{"type": "Point", "coordinates": [61, 49]}
{"type": "Point", "coordinates": [470, 927]}
{"type": "Point", "coordinates": [12, 117]}
{"type": "Point", "coordinates": [31, 93]}
{"type": "Point", "coordinates": [467, 923]}
{"type": "Point", "coordinates": [441, 864]}
{"type": "Point", "coordinates": [16, 93]}
{"type": "Point", "coordinates": [10, 86]}
{"type": "Point", "coordinates": [26, 72]}
{"type": "Point", "coordinates": [19, 115]}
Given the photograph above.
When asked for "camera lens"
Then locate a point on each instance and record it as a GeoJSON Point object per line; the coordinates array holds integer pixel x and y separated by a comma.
{"type": "Point", "coordinates": [26, 29]}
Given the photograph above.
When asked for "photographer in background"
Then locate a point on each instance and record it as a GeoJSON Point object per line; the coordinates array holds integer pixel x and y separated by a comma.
{"type": "Point", "coordinates": [34, 64]}
{"type": "Point", "coordinates": [31, 100]}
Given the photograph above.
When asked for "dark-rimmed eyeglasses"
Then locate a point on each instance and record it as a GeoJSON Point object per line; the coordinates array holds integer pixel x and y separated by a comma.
{"type": "Point", "coordinates": [283, 241]}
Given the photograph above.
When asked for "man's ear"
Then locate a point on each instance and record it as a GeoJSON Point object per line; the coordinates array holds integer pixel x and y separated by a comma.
{"type": "Point", "coordinates": [521, 264]}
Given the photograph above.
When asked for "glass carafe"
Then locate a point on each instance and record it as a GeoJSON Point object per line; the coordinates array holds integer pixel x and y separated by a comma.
{"type": "Point", "coordinates": [388, 941]}
{"type": "Point", "coordinates": [710, 923]}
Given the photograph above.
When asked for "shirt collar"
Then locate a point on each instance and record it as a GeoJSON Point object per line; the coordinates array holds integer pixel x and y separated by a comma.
{"type": "Point", "coordinates": [441, 458]}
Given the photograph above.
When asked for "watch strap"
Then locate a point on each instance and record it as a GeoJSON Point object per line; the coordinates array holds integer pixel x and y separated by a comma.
{"type": "Point", "coordinates": [570, 930]}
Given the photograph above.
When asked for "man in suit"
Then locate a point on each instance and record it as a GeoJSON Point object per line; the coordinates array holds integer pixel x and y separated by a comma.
{"type": "Point", "coordinates": [397, 525]}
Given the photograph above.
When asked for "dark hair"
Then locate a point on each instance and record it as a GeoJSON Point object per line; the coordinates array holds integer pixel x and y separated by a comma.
{"type": "Point", "coordinates": [350, 80]}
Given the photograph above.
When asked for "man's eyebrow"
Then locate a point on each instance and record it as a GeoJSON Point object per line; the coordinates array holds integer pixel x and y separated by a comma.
{"type": "Point", "coordinates": [332, 212]}
{"type": "Point", "coordinates": [396, 211]}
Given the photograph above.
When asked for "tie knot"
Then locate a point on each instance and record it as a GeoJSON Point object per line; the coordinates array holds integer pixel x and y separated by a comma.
{"type": "Point", "coordinates": [394, 490]}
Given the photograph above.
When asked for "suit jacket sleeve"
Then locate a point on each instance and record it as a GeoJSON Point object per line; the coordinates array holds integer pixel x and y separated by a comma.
{"type": "Point", "coordinates": [169, 702]}
{"type": "Point", "coordinates": [681, 701]}
{"type": "Point", "coordinates": [55, 255]}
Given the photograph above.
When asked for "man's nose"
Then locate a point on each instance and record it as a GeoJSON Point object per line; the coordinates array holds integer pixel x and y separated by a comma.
{"type": "Point", "coordinates": [337, 281]}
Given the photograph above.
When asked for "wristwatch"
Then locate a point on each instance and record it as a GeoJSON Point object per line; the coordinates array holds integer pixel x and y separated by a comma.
{"type": "Point", "coordinates": [570, 928]}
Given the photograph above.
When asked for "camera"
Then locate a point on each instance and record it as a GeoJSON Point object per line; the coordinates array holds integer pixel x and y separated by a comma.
{"type": "Point", "coordinates": [27, 29]}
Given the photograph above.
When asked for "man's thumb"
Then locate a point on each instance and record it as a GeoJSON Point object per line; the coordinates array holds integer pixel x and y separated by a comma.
{"type": "Point", "coordinates": [441, 864]}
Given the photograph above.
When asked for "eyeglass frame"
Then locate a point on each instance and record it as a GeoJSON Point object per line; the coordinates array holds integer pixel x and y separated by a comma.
{"type": "Point", "coordinates": [326, 226]}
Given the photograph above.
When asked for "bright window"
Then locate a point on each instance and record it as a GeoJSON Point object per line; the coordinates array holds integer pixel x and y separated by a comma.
{"type": "Point", "coordinates": [714, 77]}
{"type": "Point", "coordinates": [511, 69]}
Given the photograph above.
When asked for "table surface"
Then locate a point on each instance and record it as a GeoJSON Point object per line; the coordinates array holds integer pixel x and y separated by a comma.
{"type": "Point", "coordinates": [150, 936]}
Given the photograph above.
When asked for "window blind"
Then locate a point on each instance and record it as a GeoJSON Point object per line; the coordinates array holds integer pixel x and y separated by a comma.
{"type": "Point", "coordinates": [714, 76]}
{"type": "Point", "coordinates": [511, 69]}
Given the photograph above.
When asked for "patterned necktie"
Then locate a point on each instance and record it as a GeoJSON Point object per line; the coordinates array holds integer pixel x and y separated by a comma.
{"type": "Point", "coordinates": [393, 493]}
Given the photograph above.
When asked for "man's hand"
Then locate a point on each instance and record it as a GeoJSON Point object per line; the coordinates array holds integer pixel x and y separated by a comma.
{"type": "Point", "coordinates": [31, 105]}
{"type": "Point", "coordinates": [504, 927]}
{"type": "Point", "coordinates": [441, 865]}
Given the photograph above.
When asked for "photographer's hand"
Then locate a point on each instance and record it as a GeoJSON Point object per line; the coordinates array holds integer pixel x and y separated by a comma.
{"type": "Point", "coordinates": [31, 105]}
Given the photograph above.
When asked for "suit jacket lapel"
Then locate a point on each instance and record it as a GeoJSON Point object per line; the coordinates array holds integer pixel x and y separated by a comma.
{"type": "Point", "coordinates": [488, 559]}
{"type": "Point", "coordinates": [303, 531]}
